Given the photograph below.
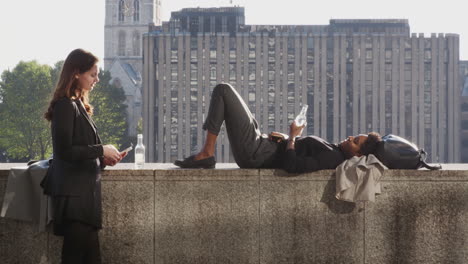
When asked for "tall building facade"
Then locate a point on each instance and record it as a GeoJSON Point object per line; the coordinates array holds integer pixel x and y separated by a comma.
{"type": "Point", "coordinates": [355, 75]}
{"type": "Point", "coordinates": [464, 111]}
{"type": "Point", "coordinates": [125, 23]}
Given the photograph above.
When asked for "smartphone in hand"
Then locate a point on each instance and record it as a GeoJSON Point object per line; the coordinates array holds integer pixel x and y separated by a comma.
{"type": "Point", "coordinates": [127, 149]}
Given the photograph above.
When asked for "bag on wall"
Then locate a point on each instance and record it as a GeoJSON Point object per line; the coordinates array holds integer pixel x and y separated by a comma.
{"type": "Point", "coordinates": [398, 153]}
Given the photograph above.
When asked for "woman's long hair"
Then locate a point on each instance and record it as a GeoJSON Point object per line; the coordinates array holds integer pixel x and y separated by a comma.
{"type": "Point", "coordinates": [78, 61]}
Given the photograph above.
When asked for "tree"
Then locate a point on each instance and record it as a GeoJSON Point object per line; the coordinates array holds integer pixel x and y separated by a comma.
{"type": "Point", "coordinates": [25, 93]}
{"type": "Point", "coordinates": [110, 113]}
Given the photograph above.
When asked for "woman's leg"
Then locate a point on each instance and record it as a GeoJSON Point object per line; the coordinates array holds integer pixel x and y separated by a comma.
{"type": "Point", "coordinates": [209, 147]}
{"type": "Point", "coordinates": [227, 105]}
{"type": "Point", "coordinates": [80, 244]}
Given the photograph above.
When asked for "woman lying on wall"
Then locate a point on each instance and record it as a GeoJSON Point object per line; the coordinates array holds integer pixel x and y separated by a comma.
{"type": "Point", "coordinates": [252, 149]}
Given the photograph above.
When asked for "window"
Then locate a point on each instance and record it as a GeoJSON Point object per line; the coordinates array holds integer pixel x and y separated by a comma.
{"type": "Point", "coordinates": [193, 72]}
{"type": "Point", "coordinates": [121, 48]}
{"type": "Point", "coordinates": [408, 54]}
{"type": "Point", "coordinates": [252, 54]}
{"type": "Point", "coordinates": [174, 56]}
{"type": "Point", "coordinates": [232, 55]}
{"type": "Point", "coordinates": [213, 54]}
{"type": "Point", "coordinates": [251, 71]}
{"type": "Point", "coordinates": [136, 43]}
{"type": "Point", "coordinates": [193, 55]}
{"type": "Point", "coordinates": [310, 43]}
{"type": "Point", "coordinates": [207, 24]}
{"type": "Point", "coordinates": [121, 9]}
{"type": "Point", "coordinates": [388, 75]}
{"type": "Point", "coordinates": [174, 73]}
{"type": "Point", "coordinates": [194, 24]}
{"type": "Point", "coordinates": [193, 43]}
{"type": "Point", "coordinates": [136, 10]}
{"type": "Point", "coordinates": [407, 75]}
{"type": "Point", "coordinates": [232, 43]}
{"type": "Point", "coordinates": [213, 72]}
{"type": "Point", "coordinates": [232, 71]}
{"type": "Point", "coordinates": [218, 24]}
{"type": "Point", "coordinates": [427, 54]}
{"type": "Point", "coordinates": [368, 43]}
{"type": "Point", "coordinates": [231, 24]}
{"type": "Point", "coordinates": [388, 54]}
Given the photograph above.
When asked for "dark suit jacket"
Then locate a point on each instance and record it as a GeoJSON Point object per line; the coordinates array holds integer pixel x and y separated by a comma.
{"type": "Point", "coordinates": [311, 154]}
{"type": "Point", "coordinates": [78, 151]}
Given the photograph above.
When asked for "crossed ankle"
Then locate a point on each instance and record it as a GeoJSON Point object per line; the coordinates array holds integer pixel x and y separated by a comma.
{"type": "Point", "coordinates": [203, 155]}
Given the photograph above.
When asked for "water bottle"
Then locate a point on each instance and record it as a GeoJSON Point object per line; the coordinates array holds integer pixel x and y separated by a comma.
{"type": "Point", "coordinates": [301, 119]}
{"type": "Point", "coordinates": [139, 153]}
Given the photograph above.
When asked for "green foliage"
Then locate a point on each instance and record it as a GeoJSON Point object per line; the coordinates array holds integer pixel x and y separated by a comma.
{"type": "Point", "coordinates": [109, 111]}
{"type": "Point", "coordinates": [55, 72]}
{"type": "Point", "coordinates": [24, 93]}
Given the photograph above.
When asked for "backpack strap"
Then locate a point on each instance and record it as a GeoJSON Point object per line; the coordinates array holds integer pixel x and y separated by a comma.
{"type": "Point", "coordinates": [423, 163]}
{"type": "Point", "coordinates": [427, 166]}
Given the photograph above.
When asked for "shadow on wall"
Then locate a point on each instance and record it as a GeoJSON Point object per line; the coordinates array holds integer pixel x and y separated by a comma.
{"type": "Point", "coordinates": [334, 205]}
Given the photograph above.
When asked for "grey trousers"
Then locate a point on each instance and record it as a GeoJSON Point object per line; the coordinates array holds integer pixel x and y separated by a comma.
{"type": "Point", "coordinates": [249, 148]}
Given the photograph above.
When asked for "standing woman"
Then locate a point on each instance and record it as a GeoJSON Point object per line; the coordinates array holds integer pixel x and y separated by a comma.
{"type": "Point", "coordinates": [74, 177]}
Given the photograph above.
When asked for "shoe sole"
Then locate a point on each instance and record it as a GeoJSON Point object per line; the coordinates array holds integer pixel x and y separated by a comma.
{"type": "Point", "coordinates": [199, 167]}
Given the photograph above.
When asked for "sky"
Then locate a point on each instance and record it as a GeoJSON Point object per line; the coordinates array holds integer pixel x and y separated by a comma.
{"type": "Point", "coordinates": [47, 30]}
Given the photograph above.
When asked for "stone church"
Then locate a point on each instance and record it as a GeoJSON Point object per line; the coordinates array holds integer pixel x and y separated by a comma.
{"type": "Point", "coordinates": [125, 23]}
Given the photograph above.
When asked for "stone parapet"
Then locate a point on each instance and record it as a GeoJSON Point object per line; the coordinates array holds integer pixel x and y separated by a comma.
{"type": "Point", "coordinates": [229, 215]}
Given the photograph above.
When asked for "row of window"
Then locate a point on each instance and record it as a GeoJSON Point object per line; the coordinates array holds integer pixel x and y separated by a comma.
{"type": "Point", "coordinates": [311, 43]}
{"type": "Point", "coordinates": [291, 55]}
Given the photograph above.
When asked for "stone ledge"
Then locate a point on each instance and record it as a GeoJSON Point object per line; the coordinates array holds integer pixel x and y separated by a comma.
{"type": "Point", "coordinates": [230, 171]}
{"type": "Point", "coordinates": [163, 214]}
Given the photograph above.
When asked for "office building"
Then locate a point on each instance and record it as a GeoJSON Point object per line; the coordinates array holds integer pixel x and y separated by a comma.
{"type": "Point", "coordinates": [464, 111]}
{"type": "Point", "coordinates": [356, 76]}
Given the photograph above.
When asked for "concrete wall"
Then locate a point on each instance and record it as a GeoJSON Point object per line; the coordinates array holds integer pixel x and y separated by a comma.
{"type": "Point", "coordinates": [230, 215]}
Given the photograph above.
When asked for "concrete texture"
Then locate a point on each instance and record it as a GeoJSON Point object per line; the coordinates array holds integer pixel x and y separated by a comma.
{"type": "Point", "coordinates": [206, 222]}
{"type": "Point", "coordinates": [302, 222]}
{"type": "Point", "coordinates": [128, 222]}
{"type": "Point", "coordinates": [228, 215]}
{"type": "Point", "coordinates": [418, 222]}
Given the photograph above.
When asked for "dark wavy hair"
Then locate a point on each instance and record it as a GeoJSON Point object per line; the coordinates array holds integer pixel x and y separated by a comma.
{"type": "Point", "coordinates": [78, 61]}
{"type": "Point", "coordinates": [370, 145]}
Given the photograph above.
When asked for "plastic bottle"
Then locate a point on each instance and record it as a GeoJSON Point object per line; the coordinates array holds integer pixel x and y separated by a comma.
{"type": "Point", "coordinates": [139, 153]}
{"type": "Point", "coordinates": [301, 119]}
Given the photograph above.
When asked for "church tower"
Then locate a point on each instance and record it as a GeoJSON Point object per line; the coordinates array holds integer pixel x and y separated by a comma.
{"type": "Point", "coordinates": [126, 22]}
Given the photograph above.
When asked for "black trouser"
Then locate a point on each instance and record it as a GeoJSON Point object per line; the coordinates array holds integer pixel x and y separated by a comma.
{"type": "Point", "coordinates": [80, 244]}
{"type": "Point", "coordinates": [249, 148]}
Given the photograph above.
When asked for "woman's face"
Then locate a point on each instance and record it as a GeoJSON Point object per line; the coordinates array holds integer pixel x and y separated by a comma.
{"type": "Point", "coordinates": [352, 145]}
{"type": "Point", "coordinates": [87, 80]}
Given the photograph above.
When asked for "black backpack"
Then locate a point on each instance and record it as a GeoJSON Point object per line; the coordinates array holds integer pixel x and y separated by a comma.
{"type": "Point", "coordinates": [398, 153]}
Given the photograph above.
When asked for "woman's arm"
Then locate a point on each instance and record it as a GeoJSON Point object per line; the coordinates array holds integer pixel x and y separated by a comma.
{"type": "Point", "coordinates": [294, 131]}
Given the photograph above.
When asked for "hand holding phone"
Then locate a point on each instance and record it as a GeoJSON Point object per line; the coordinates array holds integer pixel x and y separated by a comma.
{"type": "Point", "coordinates": [125, 151]}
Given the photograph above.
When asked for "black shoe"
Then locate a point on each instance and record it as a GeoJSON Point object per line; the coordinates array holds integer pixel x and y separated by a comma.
{"type": "Point", "coordinates": [190, 162]}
